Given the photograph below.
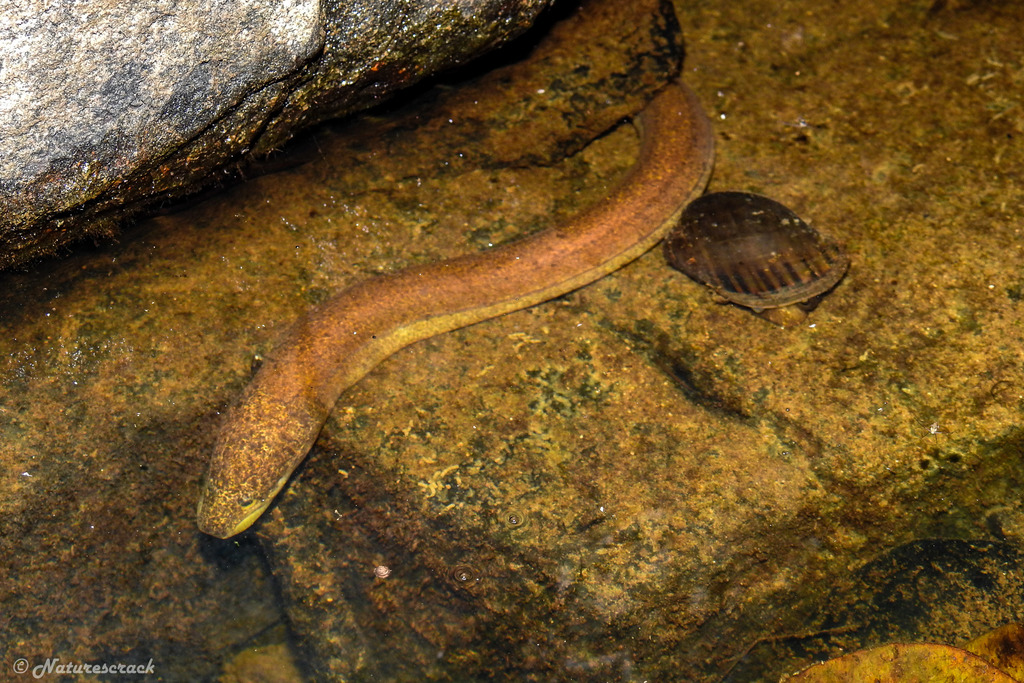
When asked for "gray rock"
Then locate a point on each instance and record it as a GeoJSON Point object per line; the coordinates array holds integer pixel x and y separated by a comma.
{"type": "Point", "coordinates": [106, 110]}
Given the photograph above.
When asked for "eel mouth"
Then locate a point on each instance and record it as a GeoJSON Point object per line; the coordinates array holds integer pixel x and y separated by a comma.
{"type": "Point", "coordinates": [217, 516]}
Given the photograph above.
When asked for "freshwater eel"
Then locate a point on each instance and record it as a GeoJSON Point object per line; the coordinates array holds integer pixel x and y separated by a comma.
{"type": "Point", "coordinates": [279, 415]}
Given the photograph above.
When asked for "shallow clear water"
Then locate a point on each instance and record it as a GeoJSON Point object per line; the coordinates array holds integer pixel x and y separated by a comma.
{"type": "Point", "coordinates": [631, 482]}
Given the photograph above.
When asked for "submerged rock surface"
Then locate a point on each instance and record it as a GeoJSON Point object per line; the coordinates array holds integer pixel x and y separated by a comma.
{"type": "Point", "coordinates": [629, 482]}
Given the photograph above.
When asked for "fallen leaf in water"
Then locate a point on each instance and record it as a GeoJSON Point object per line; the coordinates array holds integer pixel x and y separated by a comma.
{"type": "Point", "coordinates": [904, 663]}
{"type": "Point", "coordinates": [1003, 647]}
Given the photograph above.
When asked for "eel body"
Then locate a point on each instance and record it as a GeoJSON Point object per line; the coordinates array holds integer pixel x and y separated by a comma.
{"type": "Point", "coordinates": [269, 431]}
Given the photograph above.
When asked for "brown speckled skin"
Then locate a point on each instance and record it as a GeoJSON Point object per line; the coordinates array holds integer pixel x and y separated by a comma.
{"type": "Point", "coordinates": [279, 415]}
